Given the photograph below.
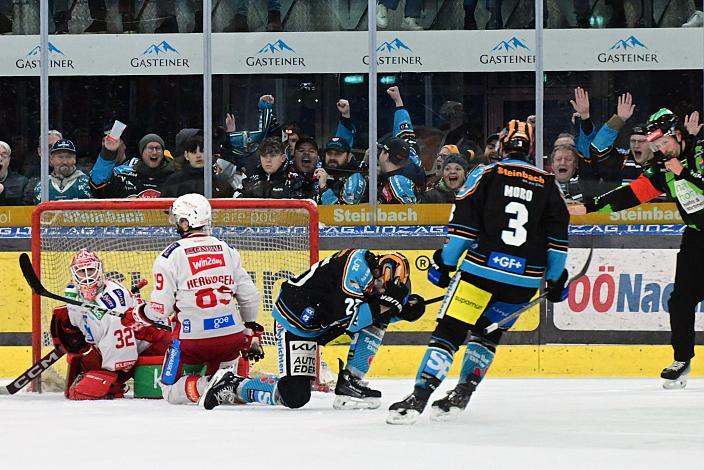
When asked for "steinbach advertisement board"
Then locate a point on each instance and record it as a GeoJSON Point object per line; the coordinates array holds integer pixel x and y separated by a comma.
{"type": "Point", "coordinates": [348, 52]}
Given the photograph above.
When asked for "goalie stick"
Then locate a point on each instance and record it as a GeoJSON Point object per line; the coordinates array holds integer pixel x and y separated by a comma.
{"type": "Point", "coordinates": [45, 362]}
{"type": "Point", "coordinates": [495, 326]}
{"type": "Point", "coordinates": [36, 285]}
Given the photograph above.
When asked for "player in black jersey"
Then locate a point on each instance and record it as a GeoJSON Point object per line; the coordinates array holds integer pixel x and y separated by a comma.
{"type": "Point", "coordinates": [510, 223]}
{"type": "Point", "coordinates": [352, 292]}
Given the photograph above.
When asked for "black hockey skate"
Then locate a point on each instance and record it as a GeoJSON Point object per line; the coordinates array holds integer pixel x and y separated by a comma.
{"type": "Point", "coordinates": [447, 409]}
{"type": "Point", "coordinates": [407, 410]}
{"type": "Point", "coordinates": [221, 390]}
{"type": "Point", "coordinates": [675, 375]}
{"type": "Point", "coordinates": [353, 393]}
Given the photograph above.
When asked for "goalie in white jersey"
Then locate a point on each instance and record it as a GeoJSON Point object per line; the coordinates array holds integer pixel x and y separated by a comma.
{"type": "Point", "coordinates": [112, 348]}
{"type": "Point", "coordinates": [201, 282]}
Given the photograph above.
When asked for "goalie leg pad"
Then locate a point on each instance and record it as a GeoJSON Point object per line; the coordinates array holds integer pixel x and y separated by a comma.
{"type": "Point", "coordinates": [294, 392]}
{"type": "Point", "coordinates": [96, 385]}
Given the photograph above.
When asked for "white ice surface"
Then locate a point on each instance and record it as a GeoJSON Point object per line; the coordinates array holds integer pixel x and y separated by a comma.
{"type": "Point", "coordinates": [544, 424]}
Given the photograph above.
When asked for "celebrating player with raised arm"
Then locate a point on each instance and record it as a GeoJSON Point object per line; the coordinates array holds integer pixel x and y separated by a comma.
{"type": "Point", "coordinates": [354, 292]}
{"type": "Point", "coordinates": [510, 223]}
{"type": "Point", "coordinates": [113, 347]}
{"type": "Point", "coordinates": [200, 280]}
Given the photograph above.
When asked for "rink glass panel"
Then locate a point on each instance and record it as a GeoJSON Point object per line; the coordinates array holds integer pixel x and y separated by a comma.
{"type": "Point", "coordinates": [274, 239]}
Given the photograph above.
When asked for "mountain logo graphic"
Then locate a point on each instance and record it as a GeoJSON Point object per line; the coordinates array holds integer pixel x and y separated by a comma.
{"type": "Point", "coordinates": [278, 46]}
{"type": "Point", "coordinates": [395, 45]}
{"type": "Point", "coordinates": [631, 42]}
{"type": "Point", "coordinates": [162, 48]}
{"type": "Point", "coordinates": [52, 50]}
{"type": "Point", "coordinates": [511, 45]}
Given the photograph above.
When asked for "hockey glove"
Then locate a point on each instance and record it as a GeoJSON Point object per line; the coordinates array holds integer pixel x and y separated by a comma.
{"type": "Point", "coordinates": [394, 297]}
{"type": "Point", "coordinates": [557, 292]}
{"type": "Point", "coordinates": [65, 335]}
{"type": "Point", "coordinates": [414, 308]}
{"type": "Point", "coordinates": [438, 272]}
{"type": "Point", "coordinates": [253, 349]}
{"type": "Point", "coordinates": [135, 317]}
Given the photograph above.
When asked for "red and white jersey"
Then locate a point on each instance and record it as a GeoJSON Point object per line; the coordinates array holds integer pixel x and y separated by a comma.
{"type": "Point", "coordinates": [117, 344]}
{"type": "Point", "coordinates": [201, 280]}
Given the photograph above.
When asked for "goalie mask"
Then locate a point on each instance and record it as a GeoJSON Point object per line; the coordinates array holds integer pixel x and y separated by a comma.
{"type": "Point", "coordinates": [87, 274]}
{"type": "Point", "coordinates": [389, 268]}
{"type": "Point", "coordinates": [195, 209]}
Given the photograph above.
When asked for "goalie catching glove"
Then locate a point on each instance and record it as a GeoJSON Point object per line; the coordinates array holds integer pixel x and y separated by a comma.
{"type": "Point", "coordinates": [252, 349]}
{"type": "Point", "coordinates": [66, 336]}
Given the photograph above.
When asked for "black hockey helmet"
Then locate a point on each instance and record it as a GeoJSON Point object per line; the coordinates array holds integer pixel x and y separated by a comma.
{"type": "Point", "coordinates": [392, 267]}
{"type": "Point", "coordinates": [517, 137]}
{"type": "Point", "coordinates": [661, 123]}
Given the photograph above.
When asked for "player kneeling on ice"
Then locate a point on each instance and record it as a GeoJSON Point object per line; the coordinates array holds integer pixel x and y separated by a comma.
{"type": "Point", "coordinates": [112, 348]}
{"type": "Point", "coordinates": [201, 282]}
{"type": "Point", "coordinates": [510, 223]}
{"type": "Point", "coordinates": [354, 292]}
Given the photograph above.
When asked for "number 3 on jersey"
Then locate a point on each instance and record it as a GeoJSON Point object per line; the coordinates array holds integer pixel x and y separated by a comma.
{"type": "Point", "coordinates": [518, 235]}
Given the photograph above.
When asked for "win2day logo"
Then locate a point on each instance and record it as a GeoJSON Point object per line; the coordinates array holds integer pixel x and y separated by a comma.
{"type": "Point", "coordinates": [628, 50]}
{"type": "Point", "coordinates": [394, 52]}
{"type": "Point", "coordinates": [162, 54]}
{"type": "Point", "coordinates": [57, 59]}
{"type": "Point", "coordinates": [511, 51]}
{"type": "Point", "coordinates": [276, 54]}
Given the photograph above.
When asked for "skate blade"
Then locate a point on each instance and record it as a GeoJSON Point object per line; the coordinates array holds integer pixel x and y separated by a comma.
{"type": "Point", "coordinates": [349, 403]}
{"type": "Point", "coordinates": [676, 384]}
{"type": "Point", "coordinates": [438, 414]}
{"type": "Point", "coordinates": [409, 417]}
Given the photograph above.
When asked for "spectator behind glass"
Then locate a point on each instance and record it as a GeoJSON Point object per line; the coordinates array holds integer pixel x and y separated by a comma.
{"type": "Point", "coordinates": [491, 149]}
{"type": "Point", "coordinates": [12, 185]}
{"type": "Point", "coordinates": [411, 14]}
{"type": "Point", "coordinates": [290, 134]}
{"type": "Point", "coordinates": [564, 160]}
{"type": "Point", "coordinates": [239, 23]}
{"type": "Point", "coordinates": [190, 178]}
{"type": "Point", "coordinates": [395, 184]}
{"type": "Point", "coordinates": [272, 179]}
{"type": "Point", "coordinates": [65, 181]}
{"type": "Point", "coordinates": [454, 174]}
{"type": "Point", "coordinates": [340, 179]}
{"type": "Point", "coordinates": [141, 179]}
{"type": "Point", "coordinates": [32, 167]}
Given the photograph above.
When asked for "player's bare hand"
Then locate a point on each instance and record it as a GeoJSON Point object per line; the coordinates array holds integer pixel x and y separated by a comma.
{"type": "Point", "coordinates": [674, 166]}
{"type": "Point", "coordinates": [625, 106]}
{"type": "Point", "coordinates": [322, 176]}
{"type": "Point", "coordinates": [577, 209]}
{"type": "Point", "coordinates": [395, 95]}
{"type": "Point", "coordinates": [691, 123]}
{"type": "Point", "coordinates": [230, 122]}
{"type": "Point", "coordinates": [580, 103]}
{"type": "Point", "coordinates": [344, 107]}
{"type": "Point", "coordinates": [267, 99]}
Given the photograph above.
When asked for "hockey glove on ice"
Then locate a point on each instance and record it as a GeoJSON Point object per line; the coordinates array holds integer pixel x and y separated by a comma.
{"type": "Point", "coordinates": [253, 349]}
{"type": "Point", "coordinates": [394, 297]}
{"type": "Point", "coordinates": [438, 272]}
{"type": "Point", "coordinates": [557, 292]}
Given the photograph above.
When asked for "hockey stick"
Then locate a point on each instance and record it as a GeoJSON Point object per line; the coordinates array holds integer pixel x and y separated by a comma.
{"type": "Point", "coordinates": [495, 326]}
{"type": "Point", "coordinates": [47, 361]}
{"type": "Point", "coordinates": [433, 300]}
{"type": "Point", "coordinates": [36, 285]}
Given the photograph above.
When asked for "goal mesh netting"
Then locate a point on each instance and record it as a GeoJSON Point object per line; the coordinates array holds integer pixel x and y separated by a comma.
{"type": "Point", "coordinates": [277, 239]}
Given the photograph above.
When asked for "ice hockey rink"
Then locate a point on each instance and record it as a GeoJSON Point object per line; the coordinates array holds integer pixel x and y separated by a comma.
{"type": "Point", "coordinates": [510, 424]}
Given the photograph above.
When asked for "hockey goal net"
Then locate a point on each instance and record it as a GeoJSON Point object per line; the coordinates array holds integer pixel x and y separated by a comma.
{"type": "Point", "coordinates": [277, 239]}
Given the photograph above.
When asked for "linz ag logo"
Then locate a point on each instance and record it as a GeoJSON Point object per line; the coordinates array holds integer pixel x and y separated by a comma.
{"type": "Point", "coordinates": [394, 52]}
{"type": "Point", "coordinates": [57, 59]}
{"type": "Point", "coordinates": [162, 54]}
{"type": "Point", "coordinates": [204, 262]}
{"type": "Point", "coordinates": [511, 51]}
{"type": "Point", "coordinates": [276, 54]}
{"type": "Point", "coordinates": [628, 50]}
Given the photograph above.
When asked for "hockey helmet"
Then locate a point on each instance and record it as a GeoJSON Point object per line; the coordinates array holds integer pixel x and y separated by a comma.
{"type": "Point", "coordinates": [194, 208]}
{"type": "Point", "coordinates": [517, 137]}
{"type": "Point", "coordinates": [87, 273]}
{"type": "Point", "coordinates": [663, 122]}
{"type": "Point", "coordinates": [391, 267]}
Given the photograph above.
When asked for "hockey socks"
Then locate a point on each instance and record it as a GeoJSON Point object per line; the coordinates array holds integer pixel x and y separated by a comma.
{"type": "Point", "coordinates": [259, 390]}
{"type": "Point", "coordinates": [477, 360]}
{"type": "Point", "coordinates": [365, 345]}
{"type": "Point", "coordinates": [434, 366]}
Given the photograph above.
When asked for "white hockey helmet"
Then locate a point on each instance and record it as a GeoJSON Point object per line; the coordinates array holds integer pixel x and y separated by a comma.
{"type": "Point", "coordinates": [194, 208]}
{"type": "Point", "coordinates": [87, 273]}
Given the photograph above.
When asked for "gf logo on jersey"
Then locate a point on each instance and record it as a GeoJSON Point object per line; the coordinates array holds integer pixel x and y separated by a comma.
{"type": "Point", "coordinates": [204, 262]}
{"type": "Point", "coordinates": [504, 262]}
